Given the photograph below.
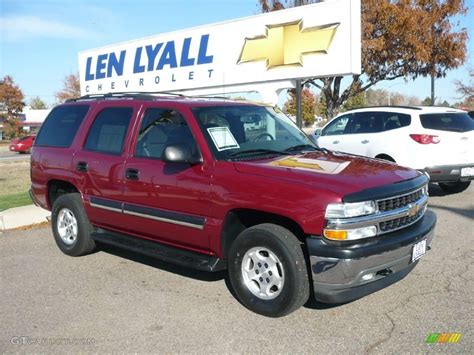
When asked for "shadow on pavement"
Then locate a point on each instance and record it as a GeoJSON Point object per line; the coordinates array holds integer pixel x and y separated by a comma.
{"type": "Point", "coordinates": [165, 266]}
{"type": "Point", "coordinates": [468, 213]}
{"type": "Point", "coordinates": [436, 191]}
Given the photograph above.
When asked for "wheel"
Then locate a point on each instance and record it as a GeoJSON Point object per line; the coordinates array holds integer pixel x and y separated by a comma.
{"type": "Point", "coordinates": [71, 227]}
{"type": "Point", "coordinates": [263, 135]}
{"type": "Point", "coordinates": [267, 270]}
{"type": "Point", "coordinates": [385, 157]}
{"type": "Point", "coordinates": [454, 187]}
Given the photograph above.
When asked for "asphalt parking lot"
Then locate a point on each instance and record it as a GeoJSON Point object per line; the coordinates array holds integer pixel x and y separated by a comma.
{"type": "Point", "coordinates": [50, 302]}
{"type": "Point", "coordinates": [6, 155]}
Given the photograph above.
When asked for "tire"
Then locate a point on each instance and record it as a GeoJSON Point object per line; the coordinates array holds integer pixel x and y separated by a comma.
{"type": "Point", "coordinates": [454, 187]}
{"type": "Point", "coordinates": [72, 238]}
{"type": "Point", "coordinates": [283, 271]}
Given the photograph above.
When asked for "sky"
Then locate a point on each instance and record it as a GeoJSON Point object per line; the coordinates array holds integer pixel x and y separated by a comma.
{"type": "Point", "coordinates": [40, 39]}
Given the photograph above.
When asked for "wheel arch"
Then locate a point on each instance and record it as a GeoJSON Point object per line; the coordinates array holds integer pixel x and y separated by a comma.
{"type": "Point", "coordinates": [58, 187]}
{"type": "Point", "coordinates": [385, 156]}
{"type": "Point", "coordinates": [239, 219]}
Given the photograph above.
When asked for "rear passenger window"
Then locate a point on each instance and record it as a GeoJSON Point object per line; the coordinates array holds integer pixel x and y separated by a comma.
{"type": "Point", "coordinates": [61, 125]}
{"type": "Point", "coordinates": [159, 128]}
{"type": "Point", "coordinates": [107, 133]}
{"type": "Point", "coordinates": [396, 121]}
{"type": "Point", "coordinates": [365, 122]}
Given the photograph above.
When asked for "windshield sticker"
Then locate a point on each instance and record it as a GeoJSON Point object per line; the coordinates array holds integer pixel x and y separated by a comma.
{"type": "Point", "coordinates": [315, 165]}
{"type": "Point", "coordinates": [223, 138]}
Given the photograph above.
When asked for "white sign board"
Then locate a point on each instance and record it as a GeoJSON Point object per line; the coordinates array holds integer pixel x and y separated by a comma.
{"type": "Point", "coordinates": [317, 40]}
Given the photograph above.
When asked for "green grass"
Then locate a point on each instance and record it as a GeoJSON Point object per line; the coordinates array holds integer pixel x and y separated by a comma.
{"type": "Point", "coordinates": [15, 200]}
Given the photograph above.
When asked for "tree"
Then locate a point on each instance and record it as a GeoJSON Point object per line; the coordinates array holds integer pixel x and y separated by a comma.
{"type": "Point", "coordinates": [11, 101]}
{"type": "Point", "coordinates": [400, 38]}
{"type": "Point", "coordinates": [71, 88]}
{"type": "Point", "coordinates": [354, 102]}
{"type": "Point", "coordinates": [426, 101]}
{"type": "Point", "coordinates": [37, 104]}
{"type": "Point", "coordinates": [308, 105]}
{"type": "Point", "coordinates": [466, 90]}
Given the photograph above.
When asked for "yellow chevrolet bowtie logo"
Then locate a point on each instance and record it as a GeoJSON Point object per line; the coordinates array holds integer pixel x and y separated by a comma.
{"type": "Point", "coordinates": [286, 44]}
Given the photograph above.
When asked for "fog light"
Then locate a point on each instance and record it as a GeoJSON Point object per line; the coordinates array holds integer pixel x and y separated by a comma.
{"type": "Point", "coordinates": [367, 277]}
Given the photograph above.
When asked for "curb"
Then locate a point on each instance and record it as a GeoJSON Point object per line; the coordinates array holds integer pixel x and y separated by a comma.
{"type": "Point", "coordinates": [22, 216]}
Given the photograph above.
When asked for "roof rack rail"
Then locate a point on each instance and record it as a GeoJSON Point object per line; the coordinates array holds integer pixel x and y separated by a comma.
{"type": "Point", "coordinates": [210, 97]}
{"type": "Point", "coordinates": [143, 95]}
{"type": "Point", "coordinates": [391, 106]}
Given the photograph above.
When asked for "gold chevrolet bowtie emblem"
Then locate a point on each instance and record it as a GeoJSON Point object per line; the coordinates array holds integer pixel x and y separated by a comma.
{"type": "Point", "coordinates": [286, 44]}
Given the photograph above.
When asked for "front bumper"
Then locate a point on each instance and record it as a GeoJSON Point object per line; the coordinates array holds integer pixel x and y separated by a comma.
{"type": "Point", "coordinates": [448, 173]}
{"type": "Point", "coordinates": [338, 269]}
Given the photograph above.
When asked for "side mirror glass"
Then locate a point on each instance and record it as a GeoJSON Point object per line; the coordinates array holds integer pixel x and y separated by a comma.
{"type": "Point", "coordinates": [180, 153]}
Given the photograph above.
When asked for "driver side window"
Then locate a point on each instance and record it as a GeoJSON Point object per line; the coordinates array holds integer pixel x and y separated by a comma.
{"type": "Point", "coordinates": [337, 126]}
{"type": "Point", "coordinates": [160, 128]}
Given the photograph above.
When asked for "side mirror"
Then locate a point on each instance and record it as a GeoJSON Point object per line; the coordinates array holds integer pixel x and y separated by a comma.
{"type": "Point", "coordinates": [180, 153]}
{"type": "Point", "coordinates": [318, 132]}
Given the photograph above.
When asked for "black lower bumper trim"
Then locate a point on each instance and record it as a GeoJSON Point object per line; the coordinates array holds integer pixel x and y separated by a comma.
{"type": "Point", "coordinates": [326, 294]}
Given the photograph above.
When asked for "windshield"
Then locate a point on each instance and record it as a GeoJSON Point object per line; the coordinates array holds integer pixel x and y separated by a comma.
{"type": "Point", "coordinates": [454, 122]}
{"type": "Point", "coordinates": [233, 131]}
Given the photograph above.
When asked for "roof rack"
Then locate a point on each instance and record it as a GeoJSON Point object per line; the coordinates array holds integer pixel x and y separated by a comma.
{"type": "Point", "coordinates": [143, 95]}
{"type": "Point", "coordinates": [390, 106]}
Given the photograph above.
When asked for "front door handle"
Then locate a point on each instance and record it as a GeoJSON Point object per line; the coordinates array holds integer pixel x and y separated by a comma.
{"type": "Point", "coordinates": [82, 166]}
{"type": "Point", "coordinates": [335, 142]}
{"type": "Point", "coordinates": [365, 141]}
{"type": "Point", "coordinates": [132, 174]}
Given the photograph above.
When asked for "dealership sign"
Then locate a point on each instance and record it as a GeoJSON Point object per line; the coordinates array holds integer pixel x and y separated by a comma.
{"type": "Point", "coordinates": [317, 40]}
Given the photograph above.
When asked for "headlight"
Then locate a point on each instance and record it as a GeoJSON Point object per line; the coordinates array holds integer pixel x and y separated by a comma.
{"type": "Point", "coordinates": [351, 234]}
{"type": "Point", "coordinates": [345, 210]}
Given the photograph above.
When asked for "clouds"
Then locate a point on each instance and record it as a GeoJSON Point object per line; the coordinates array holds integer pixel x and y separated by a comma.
{"type": "Point", "coordinates": [15, 28]}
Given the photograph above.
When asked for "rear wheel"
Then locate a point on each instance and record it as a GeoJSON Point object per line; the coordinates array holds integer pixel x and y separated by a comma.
{"type": "Point", "coordinates": [267, 270]}
{"type": "Point", "coordinates": [454, 187]}
{"type": "Point", "coordinates": [71, 227]}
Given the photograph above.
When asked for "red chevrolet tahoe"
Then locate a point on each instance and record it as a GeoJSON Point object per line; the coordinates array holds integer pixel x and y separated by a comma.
{"type": "Point", "coordinates": [217, 184]}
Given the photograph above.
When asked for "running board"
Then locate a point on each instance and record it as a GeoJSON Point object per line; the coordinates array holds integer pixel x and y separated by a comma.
{"type": "Point", "coordinates": [160, 251]}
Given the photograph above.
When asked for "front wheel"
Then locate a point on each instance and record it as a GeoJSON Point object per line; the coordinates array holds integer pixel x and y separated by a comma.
{"type": "Point", "coordinates": [267, 270]}
{"type": "Point", "coordinates": [454, 187]}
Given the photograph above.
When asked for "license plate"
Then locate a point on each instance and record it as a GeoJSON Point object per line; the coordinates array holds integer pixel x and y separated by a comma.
{"type": "Point", "coordinates": [419, 249]}
{"type": "Point", "coordinates": [467, 172]}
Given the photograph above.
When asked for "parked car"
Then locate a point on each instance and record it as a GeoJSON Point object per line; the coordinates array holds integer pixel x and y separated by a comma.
{"type": "Point", "coordinates": [436, 140]}
{"type": "Point", "coordinates": [184, 181]}
{"type": "Point", "coordinates": [22, 145]}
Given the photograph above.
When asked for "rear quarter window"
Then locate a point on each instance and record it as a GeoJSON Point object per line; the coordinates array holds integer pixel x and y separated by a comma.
{"type": "Point", "coordinates": [453, 122]}
{"type": "Point", "coordinates": [61, 125]}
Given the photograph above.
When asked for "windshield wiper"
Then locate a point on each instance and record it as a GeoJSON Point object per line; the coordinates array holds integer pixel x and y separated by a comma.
{"type": "Point", "coordinates": [255, 152]}
{"type": "Point", "coordinates": [301, 147]}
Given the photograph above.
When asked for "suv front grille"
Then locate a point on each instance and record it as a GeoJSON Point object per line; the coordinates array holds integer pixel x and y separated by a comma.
{"type": "Point", "coordinates": [399, 201]}
{"type": "Point", "coordinates": [401, 222]}
{"type": "Point", "coordinates": [414, 200]}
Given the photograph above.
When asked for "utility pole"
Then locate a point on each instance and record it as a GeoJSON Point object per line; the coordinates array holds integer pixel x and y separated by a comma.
{"type": "Point", "coordinates": [432, 90]}
{"type": "Point", "coordinates": [299, 120]}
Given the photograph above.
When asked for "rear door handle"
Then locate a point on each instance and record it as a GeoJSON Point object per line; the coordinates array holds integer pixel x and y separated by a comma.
{"type": "Point", "coordinates": [365, 141]}
{"type": "Point", "coordinates": [82, 166]}
{"type": "Point", "coordinates": [335, 142]}
{"type": "Point", "coordinates": [132, 174]}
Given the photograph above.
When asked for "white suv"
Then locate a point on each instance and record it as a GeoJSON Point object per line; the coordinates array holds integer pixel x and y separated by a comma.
{"type": "Point", "coordinates": [435, 140]}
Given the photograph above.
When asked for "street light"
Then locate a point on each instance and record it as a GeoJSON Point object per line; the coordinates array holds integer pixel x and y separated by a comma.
{"type": "Point", "coordinates": [389, 92]}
